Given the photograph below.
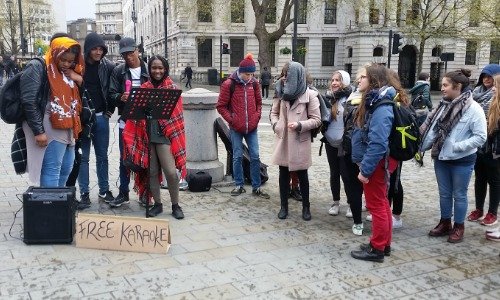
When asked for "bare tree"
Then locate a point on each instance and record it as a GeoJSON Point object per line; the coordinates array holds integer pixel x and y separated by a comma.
{"type": "Point", "coordinates": [260, 30]}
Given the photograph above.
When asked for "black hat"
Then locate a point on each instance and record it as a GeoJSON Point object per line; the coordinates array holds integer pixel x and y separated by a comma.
{"type": "Point", "coordinates": [127, 45]}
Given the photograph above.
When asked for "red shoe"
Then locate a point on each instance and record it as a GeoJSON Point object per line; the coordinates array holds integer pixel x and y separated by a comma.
{"type": "Point", "coordinates": [489, 220]}
{"type": "Point", "coordinates": [475, 215]}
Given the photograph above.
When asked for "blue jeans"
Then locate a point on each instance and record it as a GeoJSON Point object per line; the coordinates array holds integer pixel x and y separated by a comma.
{"type": "Point", "coordinates": [124, 174]}
{"type": "Point", "coordinates": [252, 141]}
{"type": "Point", "coordinates": [57, 164]}
{"type": "Point", "coordinates": [100, 139]}
{"type": "Point", "coordinates": [453, 183]}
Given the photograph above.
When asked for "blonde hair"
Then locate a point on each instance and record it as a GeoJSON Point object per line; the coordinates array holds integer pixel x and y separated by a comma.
{"type": "Point", "coordinates": [494, 111]}
{"type": "Point", "coordinates": [335, 106]}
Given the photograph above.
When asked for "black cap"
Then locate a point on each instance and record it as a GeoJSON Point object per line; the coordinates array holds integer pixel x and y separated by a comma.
{"type": "Point", "coordinates": [127, 45]}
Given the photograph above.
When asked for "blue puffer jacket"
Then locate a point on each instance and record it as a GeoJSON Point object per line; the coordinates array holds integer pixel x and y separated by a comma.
{"type": "Point", "coordinates": [370, 144]}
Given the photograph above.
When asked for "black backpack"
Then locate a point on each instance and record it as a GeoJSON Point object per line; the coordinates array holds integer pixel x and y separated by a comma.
{"type": "Point", "coordinates": [405, 136]}
{"type": "Point", "coordinates": [418, 102]}
{"type": "Point", "coordinates": [11, 108]}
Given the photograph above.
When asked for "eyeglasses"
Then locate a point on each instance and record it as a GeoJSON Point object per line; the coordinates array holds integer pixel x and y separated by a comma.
{"type": "Point", "coordinates": [362, 77]}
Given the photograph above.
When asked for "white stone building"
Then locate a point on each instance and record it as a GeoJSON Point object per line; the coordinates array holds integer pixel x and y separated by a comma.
{"type": "Point", "coordinates": [336, 35]}
{"type": "Point", "coordinates": [109, 23]}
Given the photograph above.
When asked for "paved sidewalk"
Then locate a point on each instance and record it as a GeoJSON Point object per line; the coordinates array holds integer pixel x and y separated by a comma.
{"type": "Point", "coordinates": [236, 248]}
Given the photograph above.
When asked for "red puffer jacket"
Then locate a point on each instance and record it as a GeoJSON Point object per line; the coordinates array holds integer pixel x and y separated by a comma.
{"type": "Point", "coordinates": [243, 111]}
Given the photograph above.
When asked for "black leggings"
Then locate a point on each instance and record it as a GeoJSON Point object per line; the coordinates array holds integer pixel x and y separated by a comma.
{"type": "Point", "coordinates": [352, 186]}
{"type": "Point", "coordinates": [284, 182]}
{"type": "Point", "coordinates": [334, 163]}
{"type": "Point", "coordinates": [487, 171]}
{"type": "Point", "coordinates": [396, 195]}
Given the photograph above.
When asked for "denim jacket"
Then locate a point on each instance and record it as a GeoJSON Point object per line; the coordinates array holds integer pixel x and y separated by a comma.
{"type": "Point", "coordinates": [464, 138]}
{"type": "Point", "coordinates": [370, 144]}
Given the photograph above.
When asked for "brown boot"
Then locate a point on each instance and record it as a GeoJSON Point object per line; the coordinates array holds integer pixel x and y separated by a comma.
{"type": "Point", "coordinates": [442, 229]}
{"type": "Point", "coordinates": [457, 234]}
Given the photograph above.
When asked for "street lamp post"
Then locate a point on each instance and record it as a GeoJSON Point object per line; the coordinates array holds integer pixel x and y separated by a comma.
{"type": "Point", "coordinates": [134, 19]}
{"type": "Point", "coordinates": [12, 39]}
{"type": "Point", "coordinates": [165, 11]}
{"type": "Point", "coordinates": [21, 29]}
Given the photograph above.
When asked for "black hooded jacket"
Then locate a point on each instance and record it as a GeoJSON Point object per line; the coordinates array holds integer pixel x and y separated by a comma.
{"type": "Point", "coordinates": [104, 71]}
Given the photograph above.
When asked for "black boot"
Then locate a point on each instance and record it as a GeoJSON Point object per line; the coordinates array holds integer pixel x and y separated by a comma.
{"type": "Point", "coordinates": [369, 254]}
{"type": "Point", "coordinates": [84, 202]}
{"type": "Point", "coordinates": [155, 210]}
{"type": "Point", "coordinates": [177, 212]}
{"type": "Point", "coordinates": [387, 249]}
{"type": "Point", "coordinates": [306, 213]}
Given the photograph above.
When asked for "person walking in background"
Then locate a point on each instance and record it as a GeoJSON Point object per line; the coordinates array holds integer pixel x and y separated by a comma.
{"type": "Point", "coordinates": [370, 146]}
{"type": "Point", "coordinates": [167, 145]}
{"type": "Point", "coordinates": [96, 83]}
{"type": "Point", "coordinates": [242, 110]}
{"type": "Point", "coordinates": [52, 121]}
{"type": "Point", "coordinates": [421, 97]}
{"type": "Point", "coordinates": [265, 81]}
{"type": "Point", "coordinates": [453, 131]}
{"type": "Point", "coordinates": [487, 167]}
{"type": "Point", "coordinates": [292, 118]}
{"type": "Point", "coordinates": [188, 72]}
{"type": "Point", "coordinates": [2, 70]}
{"type": "Point", "coordinates": [133, 70]}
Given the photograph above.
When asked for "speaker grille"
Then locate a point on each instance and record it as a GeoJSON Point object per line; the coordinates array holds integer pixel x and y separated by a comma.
{"type": "Point", "coordinates": [48, 215]}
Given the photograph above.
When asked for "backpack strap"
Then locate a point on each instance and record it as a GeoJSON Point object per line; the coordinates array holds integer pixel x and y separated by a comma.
{"type": "Point", "coordinates": [233, 86]}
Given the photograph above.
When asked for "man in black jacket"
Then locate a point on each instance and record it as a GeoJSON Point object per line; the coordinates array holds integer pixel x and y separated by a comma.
{"type": "Point", "coordinates": [98, 71]}
{"type": "Point", "coordinates": [135, 70]}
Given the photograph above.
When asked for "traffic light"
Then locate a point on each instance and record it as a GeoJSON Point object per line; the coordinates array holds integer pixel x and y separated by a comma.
{"type": "Point", "coordinates": [397, 43]}
{"type": "Point", "coordinates": [24, 46]}
{"type": "Point", "coordinates": [140, 47]}
{"type": "Point", "coordinates": [225, 48]}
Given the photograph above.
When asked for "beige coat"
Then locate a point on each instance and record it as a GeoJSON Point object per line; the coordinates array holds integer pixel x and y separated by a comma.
{"type": "Point", "coordinates": [292, 149]}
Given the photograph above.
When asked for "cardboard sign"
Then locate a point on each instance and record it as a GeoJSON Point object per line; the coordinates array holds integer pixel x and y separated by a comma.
{"type": "Point", "coordinates": [122, 233]}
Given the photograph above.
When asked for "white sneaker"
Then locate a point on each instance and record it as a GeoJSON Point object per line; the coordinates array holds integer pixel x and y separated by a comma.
{"type": "Point", "coordinates": [348, 213]}
{"type": "Point", "coordinates": [357, 229]}
{"type": "Point", "coordinates": [183, 185]}
{"type": "Point", "coordinates": [397, 223]}
{"type": "Point", "coordinates": [492, 230]}
{"type": "Point", "coordinates": [369, 217]}
{"type": "Point", "coordinates": [363, 208]}
{"type": "Point", "coordinates": [334, 209]}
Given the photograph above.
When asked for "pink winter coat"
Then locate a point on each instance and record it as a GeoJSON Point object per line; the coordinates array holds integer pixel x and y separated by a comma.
{"type": "Point", "coordinates": [292, 149]}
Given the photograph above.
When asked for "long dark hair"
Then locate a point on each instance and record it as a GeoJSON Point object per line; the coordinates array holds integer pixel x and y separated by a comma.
{"type": "Point", "coordinates": [163, 61]}
{"type": "Point", "coordinates": [393, 78]}
{"type": "Point", "coordinates": [377, 77]}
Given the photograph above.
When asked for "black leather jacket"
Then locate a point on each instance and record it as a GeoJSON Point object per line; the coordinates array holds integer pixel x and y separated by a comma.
{"type": "Point", "coordinates": [104, 71]}
{"type": "Point", "coordinates": [117, 83]}
{"type": "Point", "coordinates": [34, 80]}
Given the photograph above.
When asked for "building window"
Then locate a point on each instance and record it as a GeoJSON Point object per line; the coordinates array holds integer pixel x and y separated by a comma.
{"type": "Point", "coordinates": [374, 13]}
{"type": "Point", "coordinates": [412, 14]}
{"type": "Point", "coordinates": [205, 53]}
{"type": "Point", "coordinates": [302, 17]}
{"type": "Point", "coordinates": [436, 51]}
{"type": "Point", "coordinates": [349, 52]}
{"type": "Point", "coordinates": [204, 10]}
{"type": "Point", "coordinates": [271, 12]}
{"type": "Point", "coordinates": [475, 13]}
{"type": "Point", "coordinates": [378, 51]}
{"type": "Point", "coordinates": [237, 47]}
{"type": "Point", "coordinates": [470, 52]}
{"type": "Point", "coordinates": [237, 11]}
{"type": "Point", "coordinates": [331, 12]}
{"type": "Point", "coordinates": [328, 52]}
{"type": "Point", "coordinates": [301, 58]}
{"type": "Point", "coordinates": [348, 68]}
{"type": "Point", "coordinates": [272, 54]}
{"type": "Point", "coordinates": [495, 52]}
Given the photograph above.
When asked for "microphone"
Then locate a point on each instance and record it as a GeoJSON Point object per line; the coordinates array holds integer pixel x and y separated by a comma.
{"type": "Point", "coordinates": [128, 85]}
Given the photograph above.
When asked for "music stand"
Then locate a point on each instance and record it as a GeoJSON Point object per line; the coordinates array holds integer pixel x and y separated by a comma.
{"type": "Point", "coordinates": [150, 104]}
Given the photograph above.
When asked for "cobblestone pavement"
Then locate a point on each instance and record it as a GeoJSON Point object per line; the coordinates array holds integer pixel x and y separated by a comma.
{"type": "Point", "coordinates": [236, 248]}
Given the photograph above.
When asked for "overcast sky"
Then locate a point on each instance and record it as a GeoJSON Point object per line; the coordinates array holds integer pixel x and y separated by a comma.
{"type": "Point", "coordinates": [80, 9]}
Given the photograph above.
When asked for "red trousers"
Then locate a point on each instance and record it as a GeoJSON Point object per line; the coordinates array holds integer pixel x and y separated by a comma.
{"type": "Point", "coordinates": [378, 205]}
